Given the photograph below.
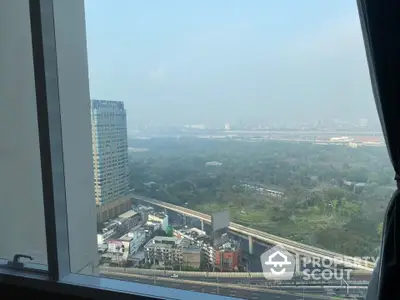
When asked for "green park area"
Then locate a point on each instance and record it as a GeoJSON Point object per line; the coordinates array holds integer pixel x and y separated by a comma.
{"type": "Point", "coordinates": [334, 197]}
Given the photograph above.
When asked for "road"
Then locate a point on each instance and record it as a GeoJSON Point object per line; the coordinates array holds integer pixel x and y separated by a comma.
{"type": "Point", "coordinates": [290, 245]}
{"type": "Point", "coordinates": [227, 291]}
{"type": "Point", "coordinates": [262, 282]}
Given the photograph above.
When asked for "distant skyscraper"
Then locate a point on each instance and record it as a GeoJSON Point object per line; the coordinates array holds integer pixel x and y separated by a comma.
{"type": "Point", "coordinates": [110, 150]}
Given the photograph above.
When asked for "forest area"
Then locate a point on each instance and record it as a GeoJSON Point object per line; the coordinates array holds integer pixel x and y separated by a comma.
{"type": "Point", "coordinates": [334, 197]}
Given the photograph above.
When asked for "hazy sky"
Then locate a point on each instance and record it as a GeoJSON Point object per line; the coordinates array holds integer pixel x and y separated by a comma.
{"type": "Point", "coordinates": [217, 61]}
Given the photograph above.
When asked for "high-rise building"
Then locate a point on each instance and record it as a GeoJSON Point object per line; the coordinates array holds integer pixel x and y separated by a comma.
{"type": "Point", "coordinates": [110, 150]}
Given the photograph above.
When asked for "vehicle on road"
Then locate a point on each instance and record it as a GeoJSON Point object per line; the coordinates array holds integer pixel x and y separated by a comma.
{"type": "Point", "coordinates": [174, 276]}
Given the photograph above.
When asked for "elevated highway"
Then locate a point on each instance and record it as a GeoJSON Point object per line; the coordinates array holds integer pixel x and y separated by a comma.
{"type": "Point", "coordinates": [291, 246]}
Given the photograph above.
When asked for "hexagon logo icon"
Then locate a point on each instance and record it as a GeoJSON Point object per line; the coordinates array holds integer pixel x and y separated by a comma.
{"type": "Point", "coordinates": [278, 264]}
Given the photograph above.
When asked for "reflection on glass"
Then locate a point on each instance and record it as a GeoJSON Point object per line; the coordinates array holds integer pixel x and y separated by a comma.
{"type": "Point", "coordinates": [22, 228]}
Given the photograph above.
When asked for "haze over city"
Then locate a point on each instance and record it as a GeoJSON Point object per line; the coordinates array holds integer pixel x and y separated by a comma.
{"type": "Point", "coordinates": [212, 62]}
{"type": "Point", "coordinates": [174, 149]}
{"type": "Point", "coordinates": [227, 115]}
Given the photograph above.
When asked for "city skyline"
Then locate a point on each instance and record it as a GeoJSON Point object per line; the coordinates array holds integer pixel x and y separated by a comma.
{"type": "Point", "coordinates": [216, 62]}
{"type": "Point", "coordinates": [155, 149]}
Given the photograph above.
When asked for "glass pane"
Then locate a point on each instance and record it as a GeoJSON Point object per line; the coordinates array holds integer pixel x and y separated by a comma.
{"type": "Point", "coordinates": [222, 130]}
{"type": "Point", "coordinates": [22, 228]}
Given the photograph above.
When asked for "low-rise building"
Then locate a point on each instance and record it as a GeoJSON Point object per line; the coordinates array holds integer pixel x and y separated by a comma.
{"type": "Point", "coordinates": [191, 256]}
{"type": "Point", "coordinates": [194, 248]}
{"type": "Point", "coordinates": [163, 251]}
{"type": "Point", "coordinates": [193, 232]}
{"type": "Point", "coordinates": [119, 226]}
{"type": "Point", "coordinates": [121, 250]}
{"type": "Point", "coordinates": [172, 252]}
{"type": "Point", "coordinates": [204, 242]}
{"type": "Point", "coordinates": [209, 253]}
{"type": "Point", "coordinates": [150, 228]}
{"type": "Point", "coordinates": [159, 217]}
{"type": "Point", "coordinates": [102, 248]}
{"type": "Point", "coordinates": [128, 220]}
{"type": "Point", "coordinates": [228, 257]}
{"type": "Point", "coordinates": [108, 231]}
{"type": "Point", "coordinates": [133, 240]}
{"type": "Point", "coordinates": [223, 254]}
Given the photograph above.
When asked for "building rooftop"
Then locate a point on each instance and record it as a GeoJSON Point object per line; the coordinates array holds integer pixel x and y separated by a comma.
{"type": "Point", "coordinates": [108, 226]}
{"type": "Point", "coordinates": [191, 249]}
{"type": "Point", "coordinates": [186, 243]}
{"type": "Point", "coordinates": [107, 104]}
{"type": "Point", "coordinates": [102, 247]}
{"type": "Point", "coordinates": [129, 236]}
{"type": "Point", "coordinates": [128, 214]}
{"type": "Point", "coordinates": [194, 232]}
{"type": "Point", "coordinates": [164, 242]}
{"type": "Point", "coordinates": [144, 208]}
{"type": "Point", "coordinates": [160, 215]}
{"type": "Point", "coordinates": [125, 238]}
{"type": "Point", "coordinates": [228, 246]}
{"type": "Point", "coordinates": [165, 239]}
{"type": "Point", "coordinates": [204, 238]}
{"type": "Point", "coordinates": [153, 223]}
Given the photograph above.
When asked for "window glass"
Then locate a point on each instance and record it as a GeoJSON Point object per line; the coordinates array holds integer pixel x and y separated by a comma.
{"type": "Point", "coordinates": [22, 228]}
{"type": "Point", "coordinates": [236, 146]}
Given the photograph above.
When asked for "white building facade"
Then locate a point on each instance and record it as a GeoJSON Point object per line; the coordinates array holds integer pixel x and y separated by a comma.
{"type": "Point", "coordinates": [160, 218]}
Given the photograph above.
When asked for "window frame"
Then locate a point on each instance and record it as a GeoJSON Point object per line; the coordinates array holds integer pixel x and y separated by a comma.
{"type": "Point", "coordinates": [50, 136]}
{"type": "Point", "coordinates": [100, 288]}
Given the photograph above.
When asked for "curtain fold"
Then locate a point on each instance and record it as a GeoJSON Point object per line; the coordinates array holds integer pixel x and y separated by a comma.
{"type": "Point", "coordinates": [380, 21]}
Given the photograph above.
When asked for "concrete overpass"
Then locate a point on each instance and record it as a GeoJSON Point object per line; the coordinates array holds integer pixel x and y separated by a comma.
{"type": "Point", "coordinates": [292, 246]}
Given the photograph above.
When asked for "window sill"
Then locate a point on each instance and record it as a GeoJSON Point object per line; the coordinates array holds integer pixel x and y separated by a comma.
{"type": "Point", "coordinates": [98, 288]}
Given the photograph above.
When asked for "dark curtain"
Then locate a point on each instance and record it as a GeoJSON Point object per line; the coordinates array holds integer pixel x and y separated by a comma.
{"type": "Point", "coordinates": [380, 21]}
